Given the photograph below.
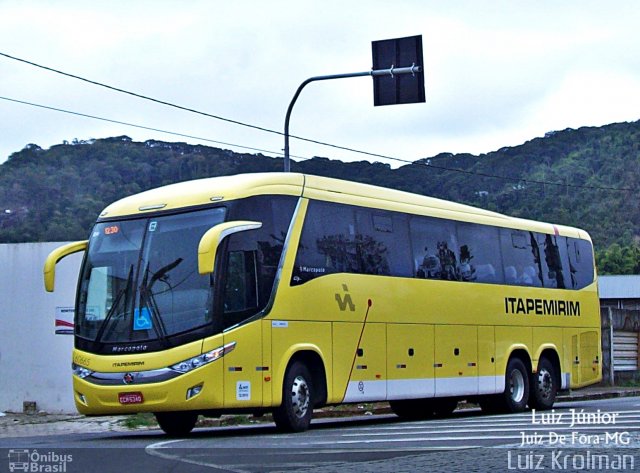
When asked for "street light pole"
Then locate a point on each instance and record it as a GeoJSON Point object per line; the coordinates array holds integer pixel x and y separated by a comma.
{"type": "Point", "coordinates": [380, 72]}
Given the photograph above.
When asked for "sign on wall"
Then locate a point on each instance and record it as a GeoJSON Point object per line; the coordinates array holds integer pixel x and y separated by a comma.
{"type": "Point", "coordinates": [64, 320]}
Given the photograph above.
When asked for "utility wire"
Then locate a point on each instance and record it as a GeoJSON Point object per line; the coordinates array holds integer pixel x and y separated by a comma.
{"type": "Point", "coordinates": [217, 117]}
{"type": "Point", "coordinates": [534, 181]}
{"type": "Point", "coordinates": [277, 153]}
{"type": "Point", "coordinates": [117, 89]}
{"type": "Point", "coordinates": [180, 107]}
{"type": "Point", "coordinates": [425, 162]}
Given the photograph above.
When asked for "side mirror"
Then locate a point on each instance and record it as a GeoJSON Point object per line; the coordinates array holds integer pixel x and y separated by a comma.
{"type": "Point", "coordinates": [213, 237]}
{"type": "Point", "coordinates": [55, 256]}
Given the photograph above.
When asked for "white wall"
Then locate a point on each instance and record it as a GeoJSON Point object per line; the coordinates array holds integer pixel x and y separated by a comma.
{"type": "Point", "coordinates": [35, 364]}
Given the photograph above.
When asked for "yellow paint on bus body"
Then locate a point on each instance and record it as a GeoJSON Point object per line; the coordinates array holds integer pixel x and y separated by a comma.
{"type": "Point", "coordinates": [377, 337]}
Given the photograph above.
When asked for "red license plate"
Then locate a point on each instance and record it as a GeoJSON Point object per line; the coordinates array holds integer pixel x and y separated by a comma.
{"type": "Point", "coordinates": [130, 398]}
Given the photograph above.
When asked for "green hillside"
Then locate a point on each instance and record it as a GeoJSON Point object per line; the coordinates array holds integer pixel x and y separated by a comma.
{"type": "Point", "coordinates": [571, 177]}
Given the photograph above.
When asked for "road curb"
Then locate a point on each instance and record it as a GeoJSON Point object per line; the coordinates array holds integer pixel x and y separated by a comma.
{"type": "Point", "coordinates": [590, 396]}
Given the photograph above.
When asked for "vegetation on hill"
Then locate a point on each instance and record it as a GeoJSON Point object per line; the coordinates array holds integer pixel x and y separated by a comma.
{"type": "Point", "coordinates": [587, 177]}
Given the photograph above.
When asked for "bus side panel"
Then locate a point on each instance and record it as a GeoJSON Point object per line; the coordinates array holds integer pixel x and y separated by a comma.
{"type": "Point", "coordinates": [410, 361]}
{"type": "Point", "coordinates": [291, 337]}
{"type": "Point", "coordinates": [345, 344]}
{"type": "Point", "coordinates": [548, 338]}
{"type": "Point", "coordinates": [590, 371]}
{"type": "Point", "coordinates": [487, 381]}
{"type": "Point", "coordinates": [571, 377]}
{"type": "Point", "coordinates": [267, 372]}
{"type": "Point", "coordinates": [509, 339]}
{"type": "Point", "coordinates": [361, 369]}
{"type": "Point", "coordinates": [456, 360]}
{"type": "Point", "coordinates": [582, 355]}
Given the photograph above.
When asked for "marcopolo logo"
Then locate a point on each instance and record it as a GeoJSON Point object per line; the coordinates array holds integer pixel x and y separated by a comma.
{"type": "Point", "coordinates": [345, 301]}
{"type": "Point", "coordinates": [34, 461]}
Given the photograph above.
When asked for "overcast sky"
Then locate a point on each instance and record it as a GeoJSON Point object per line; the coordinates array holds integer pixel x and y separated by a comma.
{"type": "Point", "coordinates": [497, 73]}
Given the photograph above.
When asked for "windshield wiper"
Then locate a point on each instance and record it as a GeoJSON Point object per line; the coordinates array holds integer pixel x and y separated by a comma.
{"type": "Point", "coordinates": [147, 298]}
{"type": "Point", "coordinates": [114, 306]}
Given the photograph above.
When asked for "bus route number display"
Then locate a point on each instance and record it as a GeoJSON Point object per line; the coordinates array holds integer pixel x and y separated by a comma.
{"type": "Point", "coordinates": [111, 230]}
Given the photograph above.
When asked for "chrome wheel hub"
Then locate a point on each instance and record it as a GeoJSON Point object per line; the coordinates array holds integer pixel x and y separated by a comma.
{"type": "Point", "coordinates": [545, 384]}
{"type": "Point", "coordinates": [300, 396]}
{"type": "Point", "coordinates": [516, 386]}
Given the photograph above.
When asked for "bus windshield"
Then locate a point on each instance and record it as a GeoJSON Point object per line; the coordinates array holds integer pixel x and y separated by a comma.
{"type": "Point", "coordinates": [140, 281]}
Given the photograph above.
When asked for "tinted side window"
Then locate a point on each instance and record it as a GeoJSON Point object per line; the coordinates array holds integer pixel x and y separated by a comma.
{"type": "Point", "coordinates": [434, 244]}
{"type": "Point", "coordinates": [580, 262]}
{"type": "Point", "coordinates": [345, 239]}
{"type": "Point", "coordinates": [521, 258]}
{"type": "Point", "coordinates": [479, 256]}
{"type": "Point", "coordinates": [328, 243]}
{"type": "Point", "coordinates": [384, 240]}
{"type": "Point", "coordinates": [555, 261]}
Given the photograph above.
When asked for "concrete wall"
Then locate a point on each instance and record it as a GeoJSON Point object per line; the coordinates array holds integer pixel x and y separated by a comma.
{"type": "Point", "coordinates": [35, 363]}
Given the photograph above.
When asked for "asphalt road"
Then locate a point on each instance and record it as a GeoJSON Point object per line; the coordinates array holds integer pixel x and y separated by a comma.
{"type": "Point", "coordinates": [575, 436]}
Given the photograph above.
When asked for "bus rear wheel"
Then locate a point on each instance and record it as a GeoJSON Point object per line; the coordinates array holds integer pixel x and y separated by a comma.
{"type": "Point", "coordinates": [516, 392]}
{"type": "Point", "coordinates": [294, 414]}
{"type": "Point", "coordinates": [177, 424]}
{"type": "Point", "coordinates": [544, 386]}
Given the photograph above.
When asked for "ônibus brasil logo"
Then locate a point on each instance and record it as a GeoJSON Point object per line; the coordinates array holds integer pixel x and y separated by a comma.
{"type": "Point", "coordinates": [34, 461]}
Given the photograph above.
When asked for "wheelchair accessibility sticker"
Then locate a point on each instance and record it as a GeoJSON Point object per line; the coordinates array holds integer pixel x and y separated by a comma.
{"type": "Point", "coordinates": [142, 319]}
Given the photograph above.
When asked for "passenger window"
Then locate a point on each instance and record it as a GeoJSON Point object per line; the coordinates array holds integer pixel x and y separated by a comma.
{"type": "Point", "coordinates": [383, 243]}
{"type": "Point", "coordinates": [555, 263]}
{"type": "Point", "coordinates": [521, 258]}
{"type": "Point", "coordinates": [328, 243]}
{"type": "Point", "coordinates": [346, 239]}
{"type": "Point", "coordinates": [580, 262]}
{"type": "Point", "coordinates": [434, 249]}
{"type": "Point", "coordinates": [479, 254]}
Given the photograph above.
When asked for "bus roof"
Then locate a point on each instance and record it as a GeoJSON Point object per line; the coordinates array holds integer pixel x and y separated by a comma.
{"type": "Point", "coordinates": [226, 188]}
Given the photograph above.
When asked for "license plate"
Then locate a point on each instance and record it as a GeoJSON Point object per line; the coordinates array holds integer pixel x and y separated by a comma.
{"type": "Point", "coordinates": [130, 398]}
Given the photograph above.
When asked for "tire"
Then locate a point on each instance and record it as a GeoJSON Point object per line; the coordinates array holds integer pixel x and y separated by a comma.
{"type": "Point", "coordinates": [516, 391]}
{"type": "Point", "coordinates": [294, 414]}
{"type": "Point", "coordinates": [177, 424]}
{"type": "Point", "coordinates": [412, 409]}
{"type": "Point", "coordinates": [544, 386]}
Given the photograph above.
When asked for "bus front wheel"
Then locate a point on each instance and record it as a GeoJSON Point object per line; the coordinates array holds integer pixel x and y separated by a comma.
{"type": "Point", "coordinates": [294, 414]}
{"type": "Point", "coordinates": [177, 424]}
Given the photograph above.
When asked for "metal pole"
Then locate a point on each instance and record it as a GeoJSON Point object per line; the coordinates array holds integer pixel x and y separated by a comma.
{"type": "Point", "coordinates": [379, 72]}
{"type": "Point", "coordinates": [612, 374]}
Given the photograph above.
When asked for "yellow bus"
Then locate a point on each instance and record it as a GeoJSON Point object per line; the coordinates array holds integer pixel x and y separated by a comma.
{"type": "Point", "coordinates": [282, 292]}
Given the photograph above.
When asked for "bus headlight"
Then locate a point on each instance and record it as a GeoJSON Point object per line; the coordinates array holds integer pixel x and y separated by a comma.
{"type": "Point", "coordinates": [200, 360]}
{"type": "Point", "coordinates": [80, 371]}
